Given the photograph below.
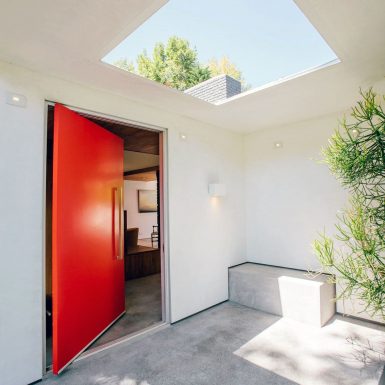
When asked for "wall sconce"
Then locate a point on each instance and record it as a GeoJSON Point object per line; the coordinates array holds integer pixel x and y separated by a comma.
{"type": "Point", "coordinates": [217, 190]}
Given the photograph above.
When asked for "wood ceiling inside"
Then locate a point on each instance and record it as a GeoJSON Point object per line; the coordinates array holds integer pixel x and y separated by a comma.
{"type": "Point", "coordinates": [135, 138]}
{"type": "Point", "coordinates": [142, 177]}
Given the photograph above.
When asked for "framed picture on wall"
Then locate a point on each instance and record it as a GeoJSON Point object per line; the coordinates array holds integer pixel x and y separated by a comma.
{"type": "Point", "coordinates": [147, 201]}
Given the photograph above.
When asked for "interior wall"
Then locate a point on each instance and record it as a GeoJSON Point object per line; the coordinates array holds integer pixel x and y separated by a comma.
{"type": "Point", "coordinates": [205, 237]}
{"type": "Point", "coordinates": [144, 221]}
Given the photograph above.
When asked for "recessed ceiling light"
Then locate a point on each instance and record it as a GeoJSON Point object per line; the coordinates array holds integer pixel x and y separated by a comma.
{"type": "Point", "coordinates": [16, 99]}
{"type": "Point", "coordinates": [278, 145]}
{"type": "Point", "coordinates": [183, 136]}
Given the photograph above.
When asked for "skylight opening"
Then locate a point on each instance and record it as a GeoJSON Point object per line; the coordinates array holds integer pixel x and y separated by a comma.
{"type": "Point", "coordinates": [217, 49]}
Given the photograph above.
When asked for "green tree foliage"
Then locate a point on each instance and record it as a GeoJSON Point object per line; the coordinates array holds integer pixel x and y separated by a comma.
{"type": "Point", "coordinates": [225, 66]}
{"type": "Point", "coordinates": [356, 156]}
{"type": "Point", "coordinates": [176, 65]}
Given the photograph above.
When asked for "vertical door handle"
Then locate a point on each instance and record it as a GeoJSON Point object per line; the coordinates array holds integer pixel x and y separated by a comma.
{"type": "Point", "coordinates": [114, 225]}
{"type": "Point", "coordinates": [121, 225]}
{"type": "Point", "coordinates": [118, 248]}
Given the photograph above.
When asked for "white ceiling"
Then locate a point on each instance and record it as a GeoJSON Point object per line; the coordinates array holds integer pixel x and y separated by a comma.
{"type": "Point", "coordinates": [68, 38]}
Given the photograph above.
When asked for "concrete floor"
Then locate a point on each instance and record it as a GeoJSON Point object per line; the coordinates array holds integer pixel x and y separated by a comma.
{"type": "Point", "coordinates": [210, 348]}
{"type": "Point", "coordinates": [144, 309]}
{"type": "Point", "coordinates": [343, 352]}
{"type": "Point", "coordinates": [143, 305]}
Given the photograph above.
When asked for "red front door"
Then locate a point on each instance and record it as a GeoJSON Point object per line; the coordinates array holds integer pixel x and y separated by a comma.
{"type": "Point", "coordinates": [87, 239]}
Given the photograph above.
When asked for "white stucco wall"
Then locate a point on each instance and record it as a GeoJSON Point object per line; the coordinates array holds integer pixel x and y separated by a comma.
{"type": "Point", "coordinates": [204, 237]}
{"type": "Point", "coordinates": [290, 197]}
{"type": "Point", "coordinates": [208, 231]}
{"type": "Point", "coordinates": [21, 236]}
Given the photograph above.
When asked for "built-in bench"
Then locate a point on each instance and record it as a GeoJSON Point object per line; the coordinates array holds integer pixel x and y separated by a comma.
{"type": "Point", "coordinates": [286, 292]}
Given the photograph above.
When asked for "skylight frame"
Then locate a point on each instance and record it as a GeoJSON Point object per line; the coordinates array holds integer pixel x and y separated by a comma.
{"type": "Point", "coordinates": [253, 90]}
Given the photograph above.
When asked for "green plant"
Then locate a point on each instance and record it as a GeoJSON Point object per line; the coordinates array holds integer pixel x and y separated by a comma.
{"type": "Point", "coordinates": [356, 156]}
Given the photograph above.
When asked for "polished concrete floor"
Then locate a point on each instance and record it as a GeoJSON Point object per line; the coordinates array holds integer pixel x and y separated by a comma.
{"type": "Point", "coordinates": [222, 346]}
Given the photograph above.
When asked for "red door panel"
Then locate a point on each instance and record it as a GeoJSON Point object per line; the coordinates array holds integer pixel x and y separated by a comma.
{"type": "Point", "coordinates": [87, 265]}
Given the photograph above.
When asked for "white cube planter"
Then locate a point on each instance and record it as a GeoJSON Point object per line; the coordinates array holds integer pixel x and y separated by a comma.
{"type": "Point", "coordinates": [285, 292]}
{"type": "Point", "coordinates": [305, 300]}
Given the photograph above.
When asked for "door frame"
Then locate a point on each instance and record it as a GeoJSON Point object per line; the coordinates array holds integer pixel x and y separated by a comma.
{"type": "Point", "coordinates": [164, 218]}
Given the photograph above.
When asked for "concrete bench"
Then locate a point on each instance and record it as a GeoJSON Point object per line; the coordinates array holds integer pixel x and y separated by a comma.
{"type": "Point", "coordinates": [285, 292]}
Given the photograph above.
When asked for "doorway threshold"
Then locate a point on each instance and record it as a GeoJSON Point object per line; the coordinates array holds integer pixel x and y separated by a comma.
{"type": "Point", "coordinates": [136, 336]}
{"type": "Point", "coordinates": [129, 338]}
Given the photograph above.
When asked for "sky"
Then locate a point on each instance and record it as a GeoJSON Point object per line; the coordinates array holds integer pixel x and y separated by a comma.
{"type": "Point", "coordinates": [266, 40]}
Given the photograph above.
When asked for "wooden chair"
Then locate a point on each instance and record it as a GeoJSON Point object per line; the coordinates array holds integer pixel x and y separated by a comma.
{"type": "Point", "coordinates": [154, 236]}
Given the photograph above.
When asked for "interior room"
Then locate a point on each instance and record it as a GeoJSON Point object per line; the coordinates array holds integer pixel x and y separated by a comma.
{"type": "Point", "coordinates": [141, 224]}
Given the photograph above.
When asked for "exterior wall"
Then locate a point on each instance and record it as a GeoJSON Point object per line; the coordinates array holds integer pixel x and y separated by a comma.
{"type": "Point", "coordinates": [208, 232]}
{"type": "Point", "coordinates": [144, 221]}
{"type": "Point", "coordinates": [204, 237]}
{"type": "Point", "coordinates": [215, 89]}
{"type": "Point", "coordinates": [21, 237]}
{"type": "Point", "coordinates": [291, 198]}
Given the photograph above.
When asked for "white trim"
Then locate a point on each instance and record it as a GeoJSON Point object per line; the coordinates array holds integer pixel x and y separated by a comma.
{"type": "Point", "coordinates": [45, 138]}
{"type": "Point", "coordinates": [279, 81]}
{"type": "Point", "coordinates": [166, 304]}
{"type": "Point", "coordinates": [166, 308]}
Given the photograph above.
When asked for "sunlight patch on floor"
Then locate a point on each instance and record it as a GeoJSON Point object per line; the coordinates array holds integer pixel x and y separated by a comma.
{"type": "Point", "coordinates": [341, 352]}
{"type": "Point", "coordinates": [115, 380]}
